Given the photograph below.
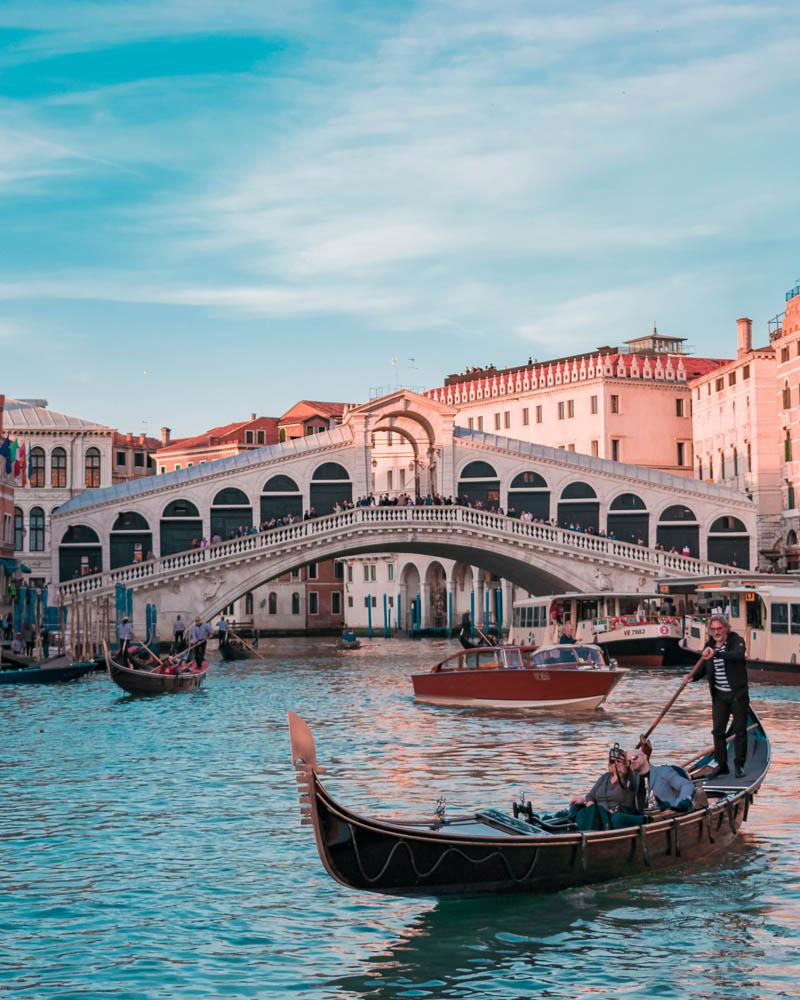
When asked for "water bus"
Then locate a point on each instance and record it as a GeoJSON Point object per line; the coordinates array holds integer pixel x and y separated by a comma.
{"type": "Point", "coordinates": [635, 629]}
{"type": "Point", "coordinates": [552, 676]}
{"type": "Point", "coordinates": [763, 609]}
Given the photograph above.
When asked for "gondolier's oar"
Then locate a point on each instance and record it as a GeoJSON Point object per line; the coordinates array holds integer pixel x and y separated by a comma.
{"type": "Point", "coordinates": [484, 637]}
{"type": "Point", "coordinates": [158, 659]}
{"type": "Point", "coordinates": [643, 739]}
{"type": "Point", "coordinates": [244, 642]}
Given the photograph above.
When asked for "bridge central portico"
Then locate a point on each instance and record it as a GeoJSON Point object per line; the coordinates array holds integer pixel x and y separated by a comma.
{"type": "Point", "coordinates": [104, 537]}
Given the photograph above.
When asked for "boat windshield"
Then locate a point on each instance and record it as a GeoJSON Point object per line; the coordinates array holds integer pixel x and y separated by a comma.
{"type": "Point", "coordinates": [567, 656]}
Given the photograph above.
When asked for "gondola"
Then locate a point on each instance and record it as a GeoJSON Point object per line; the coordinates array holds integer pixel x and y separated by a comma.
{"type": "Point", "coordinates": [144, 681]}
{"type": "Point", "coordinates": [234, 649]}
{"type": "Point", "coordinates": [499, 851]}
{"type": "Point", "coordinates": [348, 640]}
{"type": "Point", "coordinates": [37, 673]}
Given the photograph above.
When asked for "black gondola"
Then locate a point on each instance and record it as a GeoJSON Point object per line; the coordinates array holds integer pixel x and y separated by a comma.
{"type": "Point", "coordinates": [234, 649]}
{"type": "Point", "coordinates": [494, 851]}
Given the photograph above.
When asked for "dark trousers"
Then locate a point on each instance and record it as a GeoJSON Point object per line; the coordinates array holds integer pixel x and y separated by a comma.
{"type": "Point", "coordinates": [199, 653]}
{"type": "Point", "coordinates": [123, 652]}
{"type": "Point", "coordinates": [725, 706]}
{"type": "Point", "coordinates": [179, 643]}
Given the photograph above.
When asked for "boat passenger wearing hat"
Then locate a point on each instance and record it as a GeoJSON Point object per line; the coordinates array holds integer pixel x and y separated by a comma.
{"type": "Point", "coordinates": [611, 801]}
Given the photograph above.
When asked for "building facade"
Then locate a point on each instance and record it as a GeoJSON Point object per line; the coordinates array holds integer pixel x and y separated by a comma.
{"type": "Point", "coordinates": [68, 455]}
{"type": "Point", "coordinates": [7, 562]}
{"type": "Point", "coordinates": [786, 342]}
{"type": "Point", "coordinates": [628, 405]}
{"type": "Point", "coordinates": [734, 417]}
{"type": "Point", "coordinates": [309, 417]}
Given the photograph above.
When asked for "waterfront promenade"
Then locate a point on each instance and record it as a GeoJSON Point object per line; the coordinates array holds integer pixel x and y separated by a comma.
{"type": "Point", "coordinates": [153, 847]}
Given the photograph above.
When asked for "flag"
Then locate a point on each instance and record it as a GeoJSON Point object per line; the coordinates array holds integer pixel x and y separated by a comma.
{"type": "Point", "coordinates": [5, 454]}
{"type": "Point", "coordinates": [20, 465]}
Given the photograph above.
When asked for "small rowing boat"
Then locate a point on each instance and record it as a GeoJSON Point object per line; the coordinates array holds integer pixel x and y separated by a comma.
{"type": "Point", "coordinates": [554, 676]}
{"type": "Point", "coordinates": [160, 680]}
{"type": "Point", "coordinates": [37, 673]}
{"type": "Point", "coordinates": [494, 850]}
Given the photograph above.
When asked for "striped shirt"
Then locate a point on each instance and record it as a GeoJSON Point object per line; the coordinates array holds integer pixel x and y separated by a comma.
{"type": "Point", "coordinates": [720, 676]}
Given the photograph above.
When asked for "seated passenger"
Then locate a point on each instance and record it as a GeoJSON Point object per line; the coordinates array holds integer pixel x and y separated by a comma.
{"type": "Point", "coordinates": [567, 635]}
{"type": "Point", "coordinates": [611, 801]}
{"type": "Point", "coordinates": [663, 787]}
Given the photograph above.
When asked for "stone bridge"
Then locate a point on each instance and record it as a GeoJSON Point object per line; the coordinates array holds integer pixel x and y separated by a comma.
{"type": "Point", "coordinates": [104, 537]}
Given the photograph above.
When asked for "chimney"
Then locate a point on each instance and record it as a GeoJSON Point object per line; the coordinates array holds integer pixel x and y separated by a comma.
{"type": "Point", "coordinates": [744, 329]}
{"type": "Point", "coordinates": [165, 433]}
{"type": "Point", "coordinates": [142, 438]}
{"type": "Point", "coordinates": [252, 416]}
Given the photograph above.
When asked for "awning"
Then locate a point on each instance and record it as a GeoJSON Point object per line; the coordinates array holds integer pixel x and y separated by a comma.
{"type": "Point", "coordinates": [9, 565]}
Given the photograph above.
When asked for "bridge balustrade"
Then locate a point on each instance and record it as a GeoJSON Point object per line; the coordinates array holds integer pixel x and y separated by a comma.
{"type": "Point", "coordinates": [275, 539]}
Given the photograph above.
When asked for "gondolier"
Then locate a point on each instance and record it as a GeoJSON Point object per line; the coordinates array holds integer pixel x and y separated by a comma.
{"type": "Point", "coordinates": [222, 631]}
{"type": "Point", "coordinates": [726, 669]}
{"type": "Point", "coordinates": [179, 633]}
{"type": "Point", "coordinates": [125, 632]}
{"type": "Point", "coordinates": [200, 633]}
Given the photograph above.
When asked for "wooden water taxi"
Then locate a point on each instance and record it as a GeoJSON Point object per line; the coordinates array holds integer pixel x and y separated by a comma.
{"type": "Point", "coordinates": [493, 850]}
{"type": "Point", "coordinates": [553, 676]}
{"type": "Point", "coordinates": [159, 680]}
{"type": "Point", "coordinates": [763, 609]}
{"type": "Point", "coordinates": [636, 629]}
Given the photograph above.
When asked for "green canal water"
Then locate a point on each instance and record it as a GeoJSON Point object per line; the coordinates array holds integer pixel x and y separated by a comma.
{"type": "Point", "coordinates": [152, 847]}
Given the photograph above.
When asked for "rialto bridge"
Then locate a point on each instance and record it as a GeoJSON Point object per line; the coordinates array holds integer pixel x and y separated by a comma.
{"type": "Point", "coordinates": [140, 533]}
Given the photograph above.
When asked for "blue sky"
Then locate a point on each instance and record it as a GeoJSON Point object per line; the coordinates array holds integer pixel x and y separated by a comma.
{"type": "Point", "coordinates": [209, 209]}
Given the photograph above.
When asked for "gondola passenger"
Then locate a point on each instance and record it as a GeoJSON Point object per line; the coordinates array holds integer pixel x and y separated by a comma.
{"type": "Point", "coordinates": [664, 786]}
{"type": "Point", "coordinates": [611, 801]}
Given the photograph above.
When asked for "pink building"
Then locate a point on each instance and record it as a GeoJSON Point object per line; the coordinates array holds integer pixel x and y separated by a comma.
{"type": "Point", "coordinates": [786, 342]}
{"type": "Point", "coordinates": [734, 414]}
{"type": "Point", "coordinates": [219, 442]}
{"type": "Point", "coordinates": [7, 564]}
{"type": "Point", "coordinates": [629, 404]}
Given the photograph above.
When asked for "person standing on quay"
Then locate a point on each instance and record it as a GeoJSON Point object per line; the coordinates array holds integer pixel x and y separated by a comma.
{"type": "Point", "coordinates": [725, 666]}
{"type": "Point", "coordinates": [179, 633]}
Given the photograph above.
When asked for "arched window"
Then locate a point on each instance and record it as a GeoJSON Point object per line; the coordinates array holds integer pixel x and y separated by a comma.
{"type": "Point", "coordinates": [329, 471]}
{"type": "Point", "coordinates": [729, 542]}
{"type": "Point", "coordinates": [787, 447]}
{"type": "Point", "coordinates": [248, 604]}
{"type": "Point", "coordinates": [80, 553]}
{"type": "Point", "coordinates": [231, 514]}
{"type": "Point", "coordinates": [37, 529]}
{"type": "Point", "coordinates": [92, 469]}
{"type": "Point", "coordinates": [628, 519]}
{"type": "Point", "coordinates": [735, 462]}
{"type": "Point", "coordinates": [295, 604]}
{"type": "Point", "coordinates": [231, 497]}
{"type": "Point", "coordinates": [478, 470]}
{"type": "Point", "coordinates": [679, 531]}
{"type": "Point", "coordinates": [37, 461]}
{"type": "Point", "coordinates": [282, 434]}
{"type": "Point", "coordinates": [479, 482]}
{"type": "Point", "coordinates": [272, 603]}
{"type": "Point", "coordinates": [131, 540]}
{"type": "Point", "coordinates": [700, 468]}
{"type": "Point", "coordinates": [58, 468]}
{"type": "Point", "coordinates": [330, 485]}
{"type": "Point", "coordinates": [579, 508]}
{"type": "Point", "coordinates": [19, 530]}
{"type": "Point", "coordinates": [181, 508]}
{"type": "Point", "coordinates": [529, 492]}
{"type": "Point", "coordinates": [787, 396]}
{"type": "Point", "coordinates": [280, 496]}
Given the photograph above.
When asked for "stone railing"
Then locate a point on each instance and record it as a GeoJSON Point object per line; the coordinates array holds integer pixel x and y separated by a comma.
{"type": "Point", "coordinates": [379, 519]}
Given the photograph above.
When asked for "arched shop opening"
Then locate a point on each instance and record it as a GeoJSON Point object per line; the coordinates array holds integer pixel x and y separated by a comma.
{"type": "Point", "coordinates": [330, 485]}
{"type": "Point", "coordinates": [529, 492]}
{"type": "Point", "coordinates": [80, 553]}
{"type": "Point", "coordinates": [678, 529]}
{"type": "Point", "coordinates": [628, 519]}
{"type": "Point", "coordinates": [479, 482]}
{"type": "Point", "coordinates": [230, 511]}
{"type": "Point", "coordinates": [131, 540]}
{"type": "Point", "coordinates": [281, 496]}
{"type": "Point", "coordinates": [180, 526]}
{"type": "Point", "coordinates": [729, 542]}
{"type": "Point", "coordinates": [579, 507]}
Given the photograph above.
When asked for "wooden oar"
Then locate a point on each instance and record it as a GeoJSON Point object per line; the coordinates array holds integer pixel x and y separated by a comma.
{"type": "Point", "coordinates": [643, 739]}
{"type": "Point", "coordinates": [485, 637]}
{"type": "Point", "coordinates": [244, 642]}
{"type": "Point", "coordinates": [158, 659]}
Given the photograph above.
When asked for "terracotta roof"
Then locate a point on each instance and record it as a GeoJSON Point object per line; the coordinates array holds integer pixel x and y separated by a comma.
{"type": "Point", "coordinates": [314, 406]}
{"type": "Point", "coordinates": [149, 442]}
{"type": "Point", "coordinates": [221, 435]}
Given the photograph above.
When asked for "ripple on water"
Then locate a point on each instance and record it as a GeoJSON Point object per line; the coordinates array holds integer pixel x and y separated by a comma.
{"type": "Point", "coordinates": [153, 846]}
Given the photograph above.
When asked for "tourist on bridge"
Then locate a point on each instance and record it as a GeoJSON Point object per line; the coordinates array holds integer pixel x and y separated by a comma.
{"type": "Point", "coordinates": [125, 633]}
{"type": "Point", "coordinates": [179, 634]}
{"type": "Point", "coordinates": [725, 666]}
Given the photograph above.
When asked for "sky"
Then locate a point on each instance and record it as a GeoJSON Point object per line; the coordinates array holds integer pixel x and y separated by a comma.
{"type": "Point", "coordinates": [212, 209]}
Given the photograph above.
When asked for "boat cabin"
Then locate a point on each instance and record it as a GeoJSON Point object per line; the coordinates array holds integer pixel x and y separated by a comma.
{"type": "Point", "coordinates": [523, 658]}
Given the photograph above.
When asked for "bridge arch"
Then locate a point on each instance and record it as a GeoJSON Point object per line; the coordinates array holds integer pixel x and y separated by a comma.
{"type": "Point", "coordinates": [434, 615]}
{"type": "Point", "coordinates": [678, 528]}
{"type": "Point", "coordinates": [628, 518]}
{"type": "Point", "coordinates": [330, 484]}
{"type": "Point", "coordinates": [131, 540]}
{"type": "Point", "coordinates": [407, 436]}
{"type": "Point", "coordinates": [79, 552]}
{"type": "Point", "coordinates": [478, 481]}
{"type": "Point", "coordinates": [729, 542]}
{"type": "Point", "coordinates": [529, 492]}
{"type": "Point", "coordinates": [180, 524]}
{"type": "Point", "coordinates": [579, 506]}
{"type": "Point", "coordinates": [231, 510]}
{"type": "Point", "coordinates": [280, 495]}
